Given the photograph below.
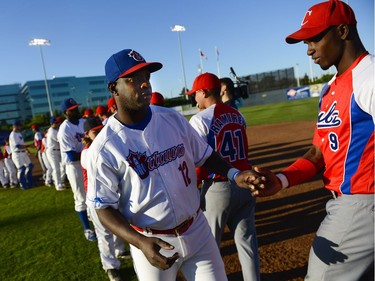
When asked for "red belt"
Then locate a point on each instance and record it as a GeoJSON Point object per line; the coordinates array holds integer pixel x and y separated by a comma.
{"type": "Point", "coordinates": [177, 231]}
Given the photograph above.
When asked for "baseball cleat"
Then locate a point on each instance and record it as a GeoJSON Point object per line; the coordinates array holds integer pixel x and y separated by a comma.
{"type": "Point", "coordinates": [114, 275]}
{"type": "Point", "coordinates": [90, 235]}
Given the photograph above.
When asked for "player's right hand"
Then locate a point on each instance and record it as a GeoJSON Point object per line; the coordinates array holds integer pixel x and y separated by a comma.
{"type": "Point", "coordinates": [151, 249]}
{"type": "Point", "coordinates": [270, 184]}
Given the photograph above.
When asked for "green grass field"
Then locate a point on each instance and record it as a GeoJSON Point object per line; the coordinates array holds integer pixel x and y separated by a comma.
{"type": "Point", "coordinates": [288, 111]}
{"type": "Point", "coordinates": [42, 237]}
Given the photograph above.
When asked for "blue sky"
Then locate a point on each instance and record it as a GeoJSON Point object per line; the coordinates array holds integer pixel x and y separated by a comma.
{"type": "Point", "coordinates": [250, 36]}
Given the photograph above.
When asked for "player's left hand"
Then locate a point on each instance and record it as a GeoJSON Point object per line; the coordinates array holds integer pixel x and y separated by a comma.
{"type": "Point", "coordinates": [151, 247]}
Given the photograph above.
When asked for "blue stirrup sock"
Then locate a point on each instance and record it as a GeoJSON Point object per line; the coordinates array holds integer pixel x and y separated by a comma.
{"type": "Point", "coordinates": [21, 177]}
{"type": "Point", "coordinates": [84, 219]}
{"type": "Point", "coordinates": [29, 175]}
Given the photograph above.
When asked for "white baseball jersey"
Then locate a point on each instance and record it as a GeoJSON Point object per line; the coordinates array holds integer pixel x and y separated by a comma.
{"type": "Point", "coordinates": [16, 139]}
{"type": "Point", "coordinates": [147, 171]}
{"type": "Point", "coordinates": [19, 155]}
{"type": "Point", "coordinates": [52, 140]}
{"type": "Point", "coordinates": [70, 138]}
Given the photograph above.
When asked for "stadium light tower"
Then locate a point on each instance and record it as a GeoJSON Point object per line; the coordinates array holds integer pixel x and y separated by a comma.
{"type": "Point", "coordinates": [179, 29]}
{"type": "Point", "coordinates": [297, 74]}
{"type": "Point", "coordinates": [40, 43]}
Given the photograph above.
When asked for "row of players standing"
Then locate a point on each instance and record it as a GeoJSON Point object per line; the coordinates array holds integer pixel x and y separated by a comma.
{"type": "Point", "coordinates": [48, 148]}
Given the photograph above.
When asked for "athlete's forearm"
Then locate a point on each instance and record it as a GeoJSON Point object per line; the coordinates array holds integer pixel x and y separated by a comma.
{"type": "Point", "coordinates": [119, 226]}
{"type": "Point", "coordinates": [215, 163]}
{"type": "Point", "coordinates": [303, 169]}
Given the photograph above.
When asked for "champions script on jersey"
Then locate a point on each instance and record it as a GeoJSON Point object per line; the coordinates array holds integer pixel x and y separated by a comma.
{"type": "Point", "coordinates": [143, 164]}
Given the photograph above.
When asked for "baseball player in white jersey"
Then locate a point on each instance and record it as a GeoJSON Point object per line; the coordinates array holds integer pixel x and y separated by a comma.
{"type": "Point", "coordinates": [9, 164]}
{"type": "Point", "coordinates": [48, 179]}
{"type": "Point", "coordinates": [4, 178]}
{"type": "Point", "coordinates": [70, 136]}
{"type": "Point", "coordinates": [110, 246]}
{"type": "Point", "coordinates": [20, 157]}
{"type": "Point", "coordinates": [53, 152]}
{"type": "Point", "coordinates": [141, 173]}
{"type": "Point", "coordinates": [38, 136]}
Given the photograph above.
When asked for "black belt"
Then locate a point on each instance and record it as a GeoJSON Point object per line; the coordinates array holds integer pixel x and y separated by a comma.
{"type": "Point", "coordinates": [19, 151]}
{"type": "Point", "coordinates": [55, 149]}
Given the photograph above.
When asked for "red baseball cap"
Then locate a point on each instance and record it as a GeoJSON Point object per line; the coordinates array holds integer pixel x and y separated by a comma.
{"type": "Point", "coordinates": [111, 102]}
{"type": "Point", "coordinates": [157, 99]}
{"type": "Point", "coordinates": [205, 81]}
{"type": "Point", "coordinates": [100, 110]}
{"type": "Point", "coordinates": [88, 112]}
{"type": "Point", "coordinates": [59, 119]}
{"type": "Point", "coordinates": [35, 126]}
{"type": "Point", "coordinates": [321, 16]}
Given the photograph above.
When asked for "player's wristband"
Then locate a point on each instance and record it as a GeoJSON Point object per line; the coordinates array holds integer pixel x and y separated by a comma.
{"type": "Point", "coordinates": [300, 171]}
{"type": "Point", "coordinates": [283, 180]}
{"type": "Point", "coordinates": [232, 173]}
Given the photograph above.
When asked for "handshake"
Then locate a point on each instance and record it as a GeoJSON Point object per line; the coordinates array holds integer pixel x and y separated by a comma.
{"type": "Point", "coordinates": [260, 181]}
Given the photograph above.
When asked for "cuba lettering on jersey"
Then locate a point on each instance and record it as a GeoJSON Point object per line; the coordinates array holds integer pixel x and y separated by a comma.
{"type": "Point", "coordinates": [147, 171]}
{"type": "Point", "coordinates": [224, 129]}
{"type": "Point", "coordinates": [345, 129]}
{"type": "Point", "coordinates": [70, 138]}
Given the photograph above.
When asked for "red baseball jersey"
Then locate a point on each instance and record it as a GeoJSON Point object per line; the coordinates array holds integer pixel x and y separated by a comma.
{"type": "Point", "coordinates": [224, 129]}
{"type": "Point", "coordinates": [345, 129]}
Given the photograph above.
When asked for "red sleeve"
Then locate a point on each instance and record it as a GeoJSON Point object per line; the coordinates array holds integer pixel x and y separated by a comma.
{"type": "Point", "coordinates": [202, 174]}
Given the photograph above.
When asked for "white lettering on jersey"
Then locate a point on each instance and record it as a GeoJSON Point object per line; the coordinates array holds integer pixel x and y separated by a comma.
{"type": "Point", "coordinates": [142, 164]}
{"type": "Point", "coordinates": [330, 118]}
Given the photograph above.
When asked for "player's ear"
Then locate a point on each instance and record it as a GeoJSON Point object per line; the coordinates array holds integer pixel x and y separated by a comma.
{"type": "Point", "coordinates": [343, 30]}
{"type": "Point", "coordinates": [112, 88]}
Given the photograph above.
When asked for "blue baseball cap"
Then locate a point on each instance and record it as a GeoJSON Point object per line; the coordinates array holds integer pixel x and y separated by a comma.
{"type": "Point", "coordinates": [69, 104]}
{"type": "Point", "coordinates": [126, 62]}
{"type": "Point", "coordinates": [17, 123]}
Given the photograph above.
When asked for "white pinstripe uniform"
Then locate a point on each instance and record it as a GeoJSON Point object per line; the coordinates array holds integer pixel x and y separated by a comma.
{"type": "Point", "coordinates": [54, 157]}
{"type": "Point", "coordinates": [3, 172]}
{"type": "Point", "coordinates": [109, 244]}
{"type": "Point", "coordinates": [48, 179]}
{"type": "Point", "coordinates": [11, 168]}
{"type": "Point", "coordinates": [21, 159]}
{"type": "Point", "coordinates": [70, 139]}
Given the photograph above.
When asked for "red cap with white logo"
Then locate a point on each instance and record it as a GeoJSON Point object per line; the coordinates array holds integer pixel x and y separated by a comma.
{"type": "Point", "coordinates": [320, 17]}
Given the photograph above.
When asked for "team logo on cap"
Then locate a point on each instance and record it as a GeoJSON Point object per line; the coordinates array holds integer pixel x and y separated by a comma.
{"type": "Point", "coordinates": [136, 56]}
{"type": "Point", "coordinates": [304, 21]}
